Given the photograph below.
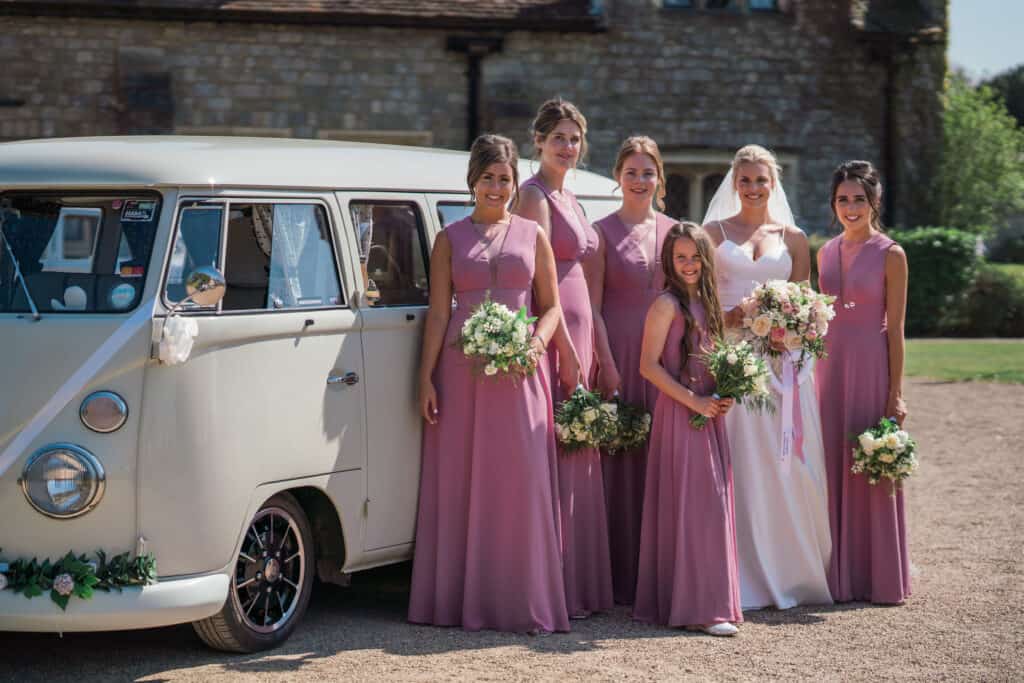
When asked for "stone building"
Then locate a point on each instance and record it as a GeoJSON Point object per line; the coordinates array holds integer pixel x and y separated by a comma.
{"type": "Point", "coordinates": [818, 81]}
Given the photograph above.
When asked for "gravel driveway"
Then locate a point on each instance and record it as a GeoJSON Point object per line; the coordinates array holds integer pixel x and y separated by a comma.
{"type": "Point", "coordinates": [963, 621]}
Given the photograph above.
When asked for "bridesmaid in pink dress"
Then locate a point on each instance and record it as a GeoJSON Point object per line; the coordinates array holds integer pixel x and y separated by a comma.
{"type": "Point", "coordinates": [859, 382]}
{"type": "Point", "coordinates": [487, 553]}
{"type": "Point", "coordinates": [624, 278]}
{"type": "Point", "coordinates": [688, 572]}
{"type": "Point", "coordinates": [559, 131]}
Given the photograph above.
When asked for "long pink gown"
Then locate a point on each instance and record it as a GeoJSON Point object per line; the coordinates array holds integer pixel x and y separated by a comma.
{"type": "Point", "coordinates": [688, 571]}
{"type": "Point", "coordinates": [632, 280]}
{"type": "Point", "coordinates": [869, 536]}
{"type": "Point", "coordinates": [487, 553]}
{"type": "Point", "coordinates": [584, 525]}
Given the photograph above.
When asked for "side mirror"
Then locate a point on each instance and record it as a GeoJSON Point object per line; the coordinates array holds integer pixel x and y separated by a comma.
{"type": "Point", "coordinates": [205, 286]}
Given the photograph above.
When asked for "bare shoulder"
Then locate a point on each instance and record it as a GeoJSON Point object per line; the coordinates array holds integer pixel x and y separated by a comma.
{"type": "Point", "coordinates": [793, 235]}
{"type": "Point", "coordinates": [664, 305]}
{"type": "Point", "coordinates": [532, 196]}
{"type": "Point", "coordinates": [714, 231]}
{"type": "Point", "coordinates": [894, 255]}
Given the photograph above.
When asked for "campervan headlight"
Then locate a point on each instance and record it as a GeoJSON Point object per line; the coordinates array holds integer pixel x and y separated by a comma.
{"type": "Point", "coordinates": [63, 480]}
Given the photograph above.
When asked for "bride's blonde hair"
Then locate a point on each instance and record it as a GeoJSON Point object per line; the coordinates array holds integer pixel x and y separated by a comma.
{"type": "Point", "coordinates": [756, 154]}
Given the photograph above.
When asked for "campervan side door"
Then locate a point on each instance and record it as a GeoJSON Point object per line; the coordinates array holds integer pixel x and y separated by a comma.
{"type": "Point", "coordinates": [393, 234]}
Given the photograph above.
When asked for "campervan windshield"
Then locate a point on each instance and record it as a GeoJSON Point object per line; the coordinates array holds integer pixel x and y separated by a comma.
{"type": "Point", "coordinates": [85, 253]}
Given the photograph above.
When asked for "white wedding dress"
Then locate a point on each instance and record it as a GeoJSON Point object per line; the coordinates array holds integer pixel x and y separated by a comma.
{"type": "Point", "coordinates": [782, 525]}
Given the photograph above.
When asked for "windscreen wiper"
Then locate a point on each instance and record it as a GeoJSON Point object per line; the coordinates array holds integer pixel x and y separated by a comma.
{"type": "Point", "coordinates": [5, 210]}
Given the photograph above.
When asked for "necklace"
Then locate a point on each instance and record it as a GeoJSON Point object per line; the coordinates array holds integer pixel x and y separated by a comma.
{"type": "Point", "coordinates": [849, 305]}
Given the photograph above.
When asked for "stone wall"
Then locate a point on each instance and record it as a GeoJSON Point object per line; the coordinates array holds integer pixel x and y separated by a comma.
{"type": "Point", "coordinates": [805, 83]}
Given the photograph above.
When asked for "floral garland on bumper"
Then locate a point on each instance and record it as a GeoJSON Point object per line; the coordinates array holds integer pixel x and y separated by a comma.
{"type": "Point", "coordinates": [77, 575]}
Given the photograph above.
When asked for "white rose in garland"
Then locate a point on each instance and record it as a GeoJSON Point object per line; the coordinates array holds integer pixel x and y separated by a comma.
{"type": "Point", "coordinates": [3, 581]}
{"type": "Point", "coordinates": [176, 341]}
{"type": "Point", "coordinates": [63, 584]}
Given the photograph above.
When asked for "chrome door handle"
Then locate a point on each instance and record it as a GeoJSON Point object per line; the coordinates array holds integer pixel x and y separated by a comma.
{"type": "Point", "coordinates": [349, 378]}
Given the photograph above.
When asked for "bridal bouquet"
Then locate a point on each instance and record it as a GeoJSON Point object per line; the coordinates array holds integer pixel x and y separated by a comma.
{"type": "Point", "coordinates": [633, 426]}
{"type": "Point", "coordinates": [787, 313]}
{"type": "Point", "coordinates": [885, 451]}
{"type": "Point", "coordinates": [585, 421]}
{"type": "Point", "coordinates": [499, 338]}
{"type": "Point", "coordinates": [740, 374]}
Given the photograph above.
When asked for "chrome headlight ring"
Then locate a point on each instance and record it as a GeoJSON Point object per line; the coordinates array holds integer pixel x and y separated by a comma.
{"type": "Point", "coordinates": [63, 474]}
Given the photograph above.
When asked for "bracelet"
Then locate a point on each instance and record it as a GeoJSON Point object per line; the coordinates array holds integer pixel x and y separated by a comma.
{"type": "Point", "coordinates": [542, 342]}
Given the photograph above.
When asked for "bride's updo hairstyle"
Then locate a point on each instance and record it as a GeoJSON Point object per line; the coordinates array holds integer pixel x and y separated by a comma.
{"type": "Point", "coordinates": [864, 174]}
{"type": "Point", "coordinates": [756, 154]}
{"type": "Point", "coordinates": [641, 144]}
{"type": "Point", "coordinates": [550, 114]}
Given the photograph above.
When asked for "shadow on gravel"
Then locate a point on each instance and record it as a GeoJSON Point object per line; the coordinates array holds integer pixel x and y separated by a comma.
{"type": "Point", "coordinates": [369, 616]}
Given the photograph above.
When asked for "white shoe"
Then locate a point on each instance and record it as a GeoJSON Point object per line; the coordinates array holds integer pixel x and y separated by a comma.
{"type": "Point", "coordinates": [722, 629]}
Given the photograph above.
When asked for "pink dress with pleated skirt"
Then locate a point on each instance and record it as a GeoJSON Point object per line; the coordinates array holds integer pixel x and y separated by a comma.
{"type": "Point", "coordinates": [632, 280]}
{"type": "Point", "coordinates": [688, 572]}
{"type": "Point", "coordinates": [869, 536]}
{"type": "Point", "coordinates": [487, 545]}
{"type": "Point", "coordinates": [584, 525]}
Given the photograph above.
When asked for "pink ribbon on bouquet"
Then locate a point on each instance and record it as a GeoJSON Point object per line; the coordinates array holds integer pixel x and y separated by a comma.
{"type": "Point", "coordinates": [792, 438]}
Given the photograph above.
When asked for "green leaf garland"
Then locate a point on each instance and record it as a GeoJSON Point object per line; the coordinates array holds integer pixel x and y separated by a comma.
{"type": "Point", "coordinates": [76, 575]}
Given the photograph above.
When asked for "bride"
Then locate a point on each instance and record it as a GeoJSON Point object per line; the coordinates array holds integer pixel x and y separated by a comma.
{"type": "Point", "coordinates": [782, 525]}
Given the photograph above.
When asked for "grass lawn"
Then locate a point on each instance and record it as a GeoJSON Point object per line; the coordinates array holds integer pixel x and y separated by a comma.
{"type": "Point", "coordinates": [966, 359]}
{"type": "Point", "coordinates": [1014, 269]}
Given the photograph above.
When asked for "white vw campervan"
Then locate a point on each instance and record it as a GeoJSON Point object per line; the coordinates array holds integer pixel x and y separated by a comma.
{"type": "Point", "coordinates": [274, 436]}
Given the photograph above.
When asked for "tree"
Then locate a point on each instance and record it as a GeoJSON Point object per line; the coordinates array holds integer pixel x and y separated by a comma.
{"type": "Point", "coordinates": [1010, 84]}
{"type": "Point", "coordinates": [981, 176]}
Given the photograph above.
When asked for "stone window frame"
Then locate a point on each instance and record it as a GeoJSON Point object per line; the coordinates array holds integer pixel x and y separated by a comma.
{"type": "Point", "coordinates": [414, 138]}
{"type": "Point", "coordinates": [737, 6]}
{"type": "Point", "coordinates": [696, 165]}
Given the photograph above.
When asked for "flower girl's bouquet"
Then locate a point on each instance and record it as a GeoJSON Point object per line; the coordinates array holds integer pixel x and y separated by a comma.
{"type": "Point", "coordinates": [740, 374]}
{"type": "Point", "coordinates": [499, 338]}
{"type": "Point", "coordinates": [787, 313]}
{"type": "Point", "coordinates": [632, 428]}
{"type": "Point", "coordinates": [585, 421]}
{"type": "Point", "coordinates": [885, 451]}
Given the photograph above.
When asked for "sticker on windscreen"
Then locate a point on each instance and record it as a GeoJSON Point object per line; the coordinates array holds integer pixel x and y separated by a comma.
{"type": "Point", "coordinates": [138, 211]}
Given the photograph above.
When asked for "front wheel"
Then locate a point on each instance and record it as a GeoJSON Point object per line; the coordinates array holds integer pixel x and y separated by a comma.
{"type": "Point", "coordinates": [271, 582]}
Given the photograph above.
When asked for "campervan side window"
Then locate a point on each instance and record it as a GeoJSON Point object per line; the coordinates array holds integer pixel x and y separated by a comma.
{"type": "Point", "coordinates": [276, 255]}
{"type": "Point", "coordinates": [392, 251]}
{"type": "Point", "coordinates": [449, 212]}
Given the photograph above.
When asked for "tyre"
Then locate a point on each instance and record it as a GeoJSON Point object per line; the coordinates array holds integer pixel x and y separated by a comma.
{"type": "Point", "coordinates": [271, 582]}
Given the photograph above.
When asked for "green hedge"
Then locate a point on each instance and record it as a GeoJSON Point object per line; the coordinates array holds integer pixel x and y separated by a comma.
{"type": "Point", "coordinates": [993, 306]}
{"type": "Point", "coordinates": [943, 264]}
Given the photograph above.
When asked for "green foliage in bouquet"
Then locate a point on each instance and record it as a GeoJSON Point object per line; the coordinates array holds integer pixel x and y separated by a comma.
{"type": "Point", "coordinates": [499, 339]}
{"type": "Point", "coordinates": [76, 575]}
{"type": "Point", "coordinates": [632, 429]}
{"type": "Point", "coordinates": [885, 452]}
{"type": "Point", "coordinates": [584, 421]}
{"type": "Point", "coordinates": [739, 374]}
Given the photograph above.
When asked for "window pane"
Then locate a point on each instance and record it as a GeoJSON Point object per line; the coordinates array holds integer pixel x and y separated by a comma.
{"type": "Point", "coordinates": [247, 257]}
{"type": "Point", "coordinates": [302, 270]}
{"type": "Point", "coordinates": [677, 196]}
{"type": "Point", "coordinates": [764, 4]}
{"type": "Point", "coordinates": [393, 253]}
{"type": "Point", "coordinates": [449, 212]}
{"type": "Point", "coordinates": [720, 4]}
{"type": "Point", "coordinates": [197, 244]}
{"type": "Point", "coordinates": [677, 3]}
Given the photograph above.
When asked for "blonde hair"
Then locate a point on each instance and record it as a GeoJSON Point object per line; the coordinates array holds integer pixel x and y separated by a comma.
{"type": "Point", "coordinates": [492, 149]}
{"type": "Point", "coordinates": [707, 287]}
{"type": "Point", "coordinates": [550, 114]}
{"type": "Point", "coordinates": [756, 154]}
{"type": "Point", "coordinates": [641, 144]}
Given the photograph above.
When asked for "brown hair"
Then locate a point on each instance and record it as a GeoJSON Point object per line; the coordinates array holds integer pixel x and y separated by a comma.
{"type": "Point", "coordinates": [641, 144]}
{"type": "Point", "coordinates": [707, 287]}
{"type": "Point", "coordinates": [866, 175]}
{"type": "Point", "coordinates": [550, 114]}
{"type": "Point", "coordinates": [756, 154]}
{"type": "Point", "coordinates": [492, 149]}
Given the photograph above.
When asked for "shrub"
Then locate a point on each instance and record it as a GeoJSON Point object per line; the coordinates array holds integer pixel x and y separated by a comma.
{"type": "Point", "coordinates": [993, 307]}
{"type": "Point", "coordinates": [942, 263]}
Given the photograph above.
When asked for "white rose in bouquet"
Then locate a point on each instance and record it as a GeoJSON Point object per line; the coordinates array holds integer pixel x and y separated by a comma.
{"type": "Point", "coordinates": [762, 326]}
{"type": "Point", "coordinates": [732, 359]}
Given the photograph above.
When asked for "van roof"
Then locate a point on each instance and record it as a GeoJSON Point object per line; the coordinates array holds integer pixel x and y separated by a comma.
{"type": "Point", "coordinates": [179, 161]}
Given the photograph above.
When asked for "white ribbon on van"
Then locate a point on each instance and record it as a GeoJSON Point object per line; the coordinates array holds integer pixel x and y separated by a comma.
{"type": "Point", "coordinates": [75, 383]}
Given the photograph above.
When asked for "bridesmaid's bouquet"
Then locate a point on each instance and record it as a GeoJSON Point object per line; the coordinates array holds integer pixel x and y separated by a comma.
{"type": "Point", "coordinates": [787, 313]}
{"type": "Point", "coordinates": [885, 451]}
{"type": "Point", "coordinates": [633, 426]}
{"type": "Point", "coordinates": [499, 338]}
{"type": "Point", "coordinates": [739, 374]}
{"type": "Point", "coordinates": [585, 421]}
